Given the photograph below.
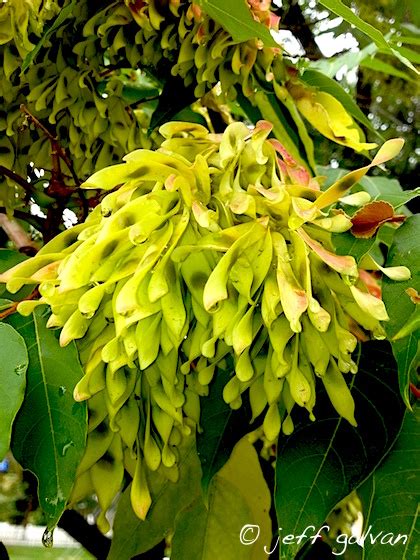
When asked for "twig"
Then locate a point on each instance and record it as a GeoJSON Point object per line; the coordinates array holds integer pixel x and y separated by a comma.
{"type": "Point", "coordinates": [61, 152]}
{"type": "Point", "coordinates": [17, 234]}
{"type": "Point", "coordinates": [16, 178]}
{"type": "Point", "coordinates": [58, 187]}
{"type": "Point", "coordinates": [87, 535]}
{"type": "Point", "coordinates": [3, 552]}
{"type": "Point", "coordinates": [94, 541]}
{"type": "Point", "coordinates": [36, 221]}
{"type": "Point", "coordinates": [13, 308]}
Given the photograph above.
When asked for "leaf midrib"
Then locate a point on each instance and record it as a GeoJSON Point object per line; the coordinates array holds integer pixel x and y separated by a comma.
{"type": "Point", "coordinates": [50, 419]}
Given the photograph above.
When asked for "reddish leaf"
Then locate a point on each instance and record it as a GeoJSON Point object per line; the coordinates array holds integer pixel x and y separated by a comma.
{"type": "Point", "coordinates": [370, 217]}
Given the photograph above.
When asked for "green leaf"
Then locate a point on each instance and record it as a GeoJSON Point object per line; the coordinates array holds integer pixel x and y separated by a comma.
{"type": "Point", "coordinates": [389, 190]}
{"type": "Point", "coordinates": [321, 462]}
{"type": "Point", "coordinates": [5, 303]}
{"type": "Point", "coordinates": [8, 259]}
{"type": "Point", "coordinates": [175, 96]}
{"type": "Point", "coordinates": [133, 536]}
{"type": "Point", "coordinates": [324, 83]}
{"type": "Point", "coordinates": [216, 529]}
{"type": "Point", "coordinates": [340, 9]}
{"type": "Point", "coordinates": [331, 174]}
{"type": "Point", "coordinates": [49, 433]}
{"type": "Point", "coordinates": [346, 244]}
{"type": "Point", "coordinates": [236, 17]}
{"type": "Point", "coordinates": [351, 60]}
{"type": "Point", "coordinates": [411, 55]}
{"type": "Point", "coordinates": [412, 324]}
{"type": "Point", "coordinates": [390, 498]}
{"type": "Point", "coordinates": [405, 251]}
{"type": "Point", "coordinates": [379, 187]}
{"type": "Point", "coordinates": [60, 19]}
{"type": "Point", "coordinates": [408, 40]}
{"type": "Point", "coordinates": [222, 427]}
{"type": "Point", "coordinates": [14, 363]}
{"type": "Point", "coordinates": [380, 66]}
{"type": "Point", "coordinates": [287, 100]}
{"type": "Point", "coordinates": [386, 234]}
{"type": "Point", "coordinates": [137, 85]}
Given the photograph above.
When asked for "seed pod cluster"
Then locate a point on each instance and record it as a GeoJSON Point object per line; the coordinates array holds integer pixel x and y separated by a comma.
{"type": "Point", "coordinates": [79, 82]}
{"type": "Point", "coordinates": [211, 250]}
{"type": "Point", "coordinates": [68, 87]}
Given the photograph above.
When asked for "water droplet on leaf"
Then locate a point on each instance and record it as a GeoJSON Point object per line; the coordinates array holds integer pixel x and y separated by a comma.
{"type": "Point", "coordinates": [48, 538]}
{"type": "Point", "coordinates": [20, 368]}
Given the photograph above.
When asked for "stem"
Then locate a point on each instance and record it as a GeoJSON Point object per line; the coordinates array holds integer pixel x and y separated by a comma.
{"type": "Point", "coordinates": [94, 541]}
{"type": "Point", "coordinates": [87, 535]}
{"type": "Point", "coordinates": [13, 308]}
{"type": "Point", "coordinates": [56, 148]}
{"type": "Point", "coordinates": [36, 221]}
{"type": "Point", "coordinates": [3, 552]}
{"type": "Point", "coordinates": [16, 178]}
{"type": "Point", "coordinates": [17, 234]}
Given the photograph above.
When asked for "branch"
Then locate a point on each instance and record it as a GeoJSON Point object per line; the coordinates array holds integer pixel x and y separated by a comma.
{"type": "Point", "coordinates": [13, 308]}
{"type": "Point", "coordinates": [295, 21]}
{"type": "Point", "coordinates": [89, 536]}
{"type": "Point", "coordinates": [3, 552]}
{"type": "Point", "coordinates": [35, 221]}
{"type": "Point", "coordinates": [16, 178]}
{"type": "Point", "coordinates": [17, 235]}
{"type": "Point", "coordinates": [57, 187]}
{"type": "Point", "coordinates": [94, 541]}
{"type": "Point", "coordinates": [60, 152]}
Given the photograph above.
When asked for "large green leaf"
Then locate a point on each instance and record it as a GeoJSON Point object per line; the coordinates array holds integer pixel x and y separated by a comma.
{"type": "Point", "coordinates": [236, 17]}
{"type": "Point", "coordinates": [238, 498]}
{"type": "Point", "coordinates": [321, 462]}
{"type": "Point", "coordinates": [49, 432]}
{"type": "Point", "coordinates": [391, 499]}
{"type": "Point", "coordinates": [405, 250]}
{"type": "Point", "coordinates": [351, 60]}
{"type": "Point", "coordinates": [221, 428]}
{"type": "Point", "coordinates": [411, 55]}
{"type": "Point", "coordinates": [340, 9]}
{"type": "Point", "coordinates": [390, 190]}
{"type": "Point", "coordinates": [379, 187]}
{"type": "Point", "coordinates": [409, 40]}
{"type": "Point", "coordinates": [324, 83]}
{"type": "Point", "coordinates": [346, 244]}
{"type": "Point", "coordinates": [133, 536]}
{"type": "Point", "coordinates": [175, 96]}
{"type": "Point", "coordinates": [330, 174]}
{"type": "Point", "coordinates": [14, 363]}
{"type": "Point", "coordinates": [380, 66]}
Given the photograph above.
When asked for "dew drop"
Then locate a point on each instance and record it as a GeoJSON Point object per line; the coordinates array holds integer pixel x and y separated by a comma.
{"type": "Point", "coordinates": [48, 538]}
{"type": "Point", "coordinates": [19, 369]}
{"type": "Point", "coordinates": [62, 390]}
